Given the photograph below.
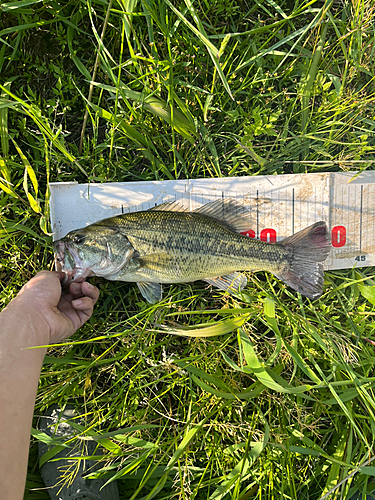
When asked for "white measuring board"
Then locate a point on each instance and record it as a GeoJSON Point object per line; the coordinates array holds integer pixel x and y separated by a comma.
{"type": "Point", "coordinates": [279, 205]}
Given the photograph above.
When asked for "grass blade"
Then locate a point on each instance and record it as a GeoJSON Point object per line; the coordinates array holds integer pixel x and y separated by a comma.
{"type": "Point", "coordinates": [220, 328]}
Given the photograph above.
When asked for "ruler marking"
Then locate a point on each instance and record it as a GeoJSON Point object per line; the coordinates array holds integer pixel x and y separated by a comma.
{"type": "Point", "coordinates": [309, 206]}
{"type": "Point", "coordinates": [342, 204]}
{"type": "Point", "coordinates": [293, 211]}
{"type": "Point", "coordinates": [278, 211]}
{"type": "Point", "coordinates": [298, 210]}
{"type": "Point", "coordinates": [270, 210]}
{"type": "Point", "coordinates": [315, 206]}
{"type": "Point", "coordinates": [257, 200]}
{"type": "Point", "coordinates": [360, 221]}
{"type": "Point", "coordinates": [369, 216]}
{"type": "Point", "coordinates": [365, 219]}
{"type": "Point", "coordinates": [348, 211]}
{"type": "Point", "coordinates": [330, 208]}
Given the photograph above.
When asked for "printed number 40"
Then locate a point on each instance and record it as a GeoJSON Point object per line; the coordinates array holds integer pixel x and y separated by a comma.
{"type": "Point", "coordinates": [360, 258]}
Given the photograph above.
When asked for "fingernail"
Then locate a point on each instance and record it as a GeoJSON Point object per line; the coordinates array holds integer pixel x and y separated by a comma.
{"type": "Point", "coordinates": [89, 285]}
{"type": "Point", "coordinates": [77, 302]}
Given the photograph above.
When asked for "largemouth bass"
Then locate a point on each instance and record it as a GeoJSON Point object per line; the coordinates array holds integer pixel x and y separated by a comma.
{"type": "Point", "coordinates": [168, 244]}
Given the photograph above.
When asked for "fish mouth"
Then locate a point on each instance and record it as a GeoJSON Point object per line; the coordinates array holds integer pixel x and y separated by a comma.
{"type": "Point", "coordinates": [68, 260]}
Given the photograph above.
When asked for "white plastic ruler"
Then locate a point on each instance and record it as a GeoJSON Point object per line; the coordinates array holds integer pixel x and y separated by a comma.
{"type": "Point", "coordinates": [279, 205]}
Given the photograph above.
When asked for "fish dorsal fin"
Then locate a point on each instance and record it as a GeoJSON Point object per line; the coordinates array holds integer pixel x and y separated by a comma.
{"type": "Point", "coordinates": [230, 211]}
{"type": "Point", "coordinates": [227, 210]}
{"type": "Point", "coordinates": [172, 206]}
{"type": "Point", "coordinates": [232, 283]}
{"type": "Point", "coordinates": [152, 292]}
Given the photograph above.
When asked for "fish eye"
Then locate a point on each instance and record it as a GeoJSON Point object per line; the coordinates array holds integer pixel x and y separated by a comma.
{"type": "Point", "coordinates": [78, 239]}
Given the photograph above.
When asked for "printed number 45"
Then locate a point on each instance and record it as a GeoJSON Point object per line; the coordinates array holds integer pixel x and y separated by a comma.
{"type": "Point", "coordinates": [360, 258]}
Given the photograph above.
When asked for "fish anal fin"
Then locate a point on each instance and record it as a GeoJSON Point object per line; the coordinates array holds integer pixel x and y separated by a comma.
{"type": "Point", "coordinates": [232, 283]}
{"type": "Point", "coordinates": [152, 292]}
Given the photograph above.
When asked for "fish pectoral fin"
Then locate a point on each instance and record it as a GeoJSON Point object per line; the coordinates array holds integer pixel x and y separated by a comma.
{"type": "Point", "coordinates": [152, 292]}
{"type": "Point", "coordinates": [229, 211]}
{"type": "Point", "coordinates": [232, 283]}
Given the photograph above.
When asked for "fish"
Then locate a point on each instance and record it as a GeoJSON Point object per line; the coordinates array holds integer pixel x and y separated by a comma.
{"type": "Point", "coordinates": [171, 244]}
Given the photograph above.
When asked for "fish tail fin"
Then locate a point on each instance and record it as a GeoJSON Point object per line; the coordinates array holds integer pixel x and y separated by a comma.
{"type": "Point", "coordinates": [307, 250]}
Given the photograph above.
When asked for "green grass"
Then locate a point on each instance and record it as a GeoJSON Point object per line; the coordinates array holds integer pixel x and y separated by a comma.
{"type": "Point", "coordinates": [281, 404]}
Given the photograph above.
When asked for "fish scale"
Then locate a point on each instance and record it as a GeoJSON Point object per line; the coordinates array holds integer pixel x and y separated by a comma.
{"type": "Point", "coordinates": [199, 247]}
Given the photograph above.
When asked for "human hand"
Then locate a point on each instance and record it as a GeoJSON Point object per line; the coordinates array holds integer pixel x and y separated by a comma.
{"type": "Point", "coordinates": [63, 311]}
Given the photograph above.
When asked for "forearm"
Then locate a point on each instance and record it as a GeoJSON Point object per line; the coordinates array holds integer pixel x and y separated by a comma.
{"type": "Point", "coordinates": [20, 328]}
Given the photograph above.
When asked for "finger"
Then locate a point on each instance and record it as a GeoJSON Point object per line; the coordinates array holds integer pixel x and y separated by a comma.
{"type": "Point", "coordinates": [76, 290]}
{"type": "Point", "coordinates": [84, 304]}
{"type": "Point", "coordinates": [48, 274]}
{"type": "Point", "coordinates": [45, 283]}
{"type": "Point", "coordinates": [90, 291]}
{"type": "Point", "coordinates": [60, 274]}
